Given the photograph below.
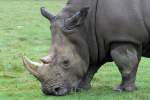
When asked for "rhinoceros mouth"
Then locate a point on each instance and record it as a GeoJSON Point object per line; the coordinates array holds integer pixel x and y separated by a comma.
{"type": "Point", "coordinates": [58, 91]}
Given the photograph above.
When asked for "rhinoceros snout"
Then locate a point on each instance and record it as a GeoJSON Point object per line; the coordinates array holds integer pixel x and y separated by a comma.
{"type": "Point", "coordinates": [57, 91]}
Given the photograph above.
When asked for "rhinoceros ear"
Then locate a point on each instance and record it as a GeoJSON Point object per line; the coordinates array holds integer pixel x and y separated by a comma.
{"type": "Point", "coordinates": [77, 19]}
{"type": "Point", "coordinates": [47, 14]}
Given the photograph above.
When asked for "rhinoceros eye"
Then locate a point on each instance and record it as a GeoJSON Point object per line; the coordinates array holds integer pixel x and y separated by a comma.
{"type": "Point", "coordinates": [66, 63]}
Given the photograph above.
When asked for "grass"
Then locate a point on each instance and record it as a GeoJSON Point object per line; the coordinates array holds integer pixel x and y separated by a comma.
{"type": "Point", "coordinates": [24, 30]}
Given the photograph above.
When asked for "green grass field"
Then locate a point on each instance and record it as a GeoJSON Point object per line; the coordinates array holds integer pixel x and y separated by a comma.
{"type": "Point", "coordinates": [24, 31]}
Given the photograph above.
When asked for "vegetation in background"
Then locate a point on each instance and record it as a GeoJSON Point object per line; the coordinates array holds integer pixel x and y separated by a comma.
{"type": "Point", "coordinates": [24, 31]}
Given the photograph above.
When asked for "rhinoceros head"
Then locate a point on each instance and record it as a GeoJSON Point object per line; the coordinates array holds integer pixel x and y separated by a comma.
{"type": "Point", "coordinates": [63, 69]}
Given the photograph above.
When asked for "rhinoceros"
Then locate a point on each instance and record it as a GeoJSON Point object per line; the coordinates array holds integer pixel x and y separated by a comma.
{"type": "Point", "coordinates": [88, 33]}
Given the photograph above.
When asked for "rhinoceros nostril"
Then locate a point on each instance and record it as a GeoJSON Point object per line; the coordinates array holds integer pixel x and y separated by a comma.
{"type": "Point", "coordinates": [57, 89]}
{"type": "Point", "coordinates": [60, 91]}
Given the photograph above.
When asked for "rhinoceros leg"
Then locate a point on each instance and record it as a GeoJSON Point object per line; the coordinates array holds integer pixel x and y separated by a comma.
{"type": "Point", "coordinates": [85, 83]}
{"type": "Point", "coordinates": [126, 57]}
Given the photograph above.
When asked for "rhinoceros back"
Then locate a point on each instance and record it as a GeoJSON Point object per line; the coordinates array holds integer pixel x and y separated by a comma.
{"type": "Point", "coordinates": [121, 21]}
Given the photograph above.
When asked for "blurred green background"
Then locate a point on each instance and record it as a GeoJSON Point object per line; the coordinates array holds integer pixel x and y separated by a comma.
{"type": "Point", "coordinates": [24, 31]}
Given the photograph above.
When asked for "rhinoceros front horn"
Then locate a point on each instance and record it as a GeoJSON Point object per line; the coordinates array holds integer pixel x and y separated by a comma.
{"type": "Point", "coordinates": [31, 66]}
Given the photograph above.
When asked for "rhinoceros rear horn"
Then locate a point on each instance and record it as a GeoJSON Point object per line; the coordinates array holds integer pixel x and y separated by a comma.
{"type": "Point", "coordinates": [47, 14]}
{"type": "Point", "coordinates": [31, 66]}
